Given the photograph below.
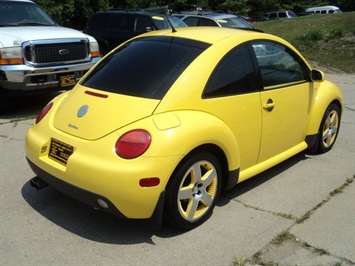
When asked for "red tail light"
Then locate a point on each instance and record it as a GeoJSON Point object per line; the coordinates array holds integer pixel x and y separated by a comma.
{"type": "Point", "coordinates": [133, 144]}
{"type": "Point", "coordinates": [149, 182]}
{"type": "Point", "coordinates": [43, 112]}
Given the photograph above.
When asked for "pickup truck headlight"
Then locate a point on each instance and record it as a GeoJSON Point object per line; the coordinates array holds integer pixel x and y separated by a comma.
{"type": "Point", "coordinates": [11, 56]}
{"type": "Point", "coordinates": [94, 49]}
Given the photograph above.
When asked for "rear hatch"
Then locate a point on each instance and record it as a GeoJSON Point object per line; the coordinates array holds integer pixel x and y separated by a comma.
{"type": "Point", "coordinates": [91, 114]}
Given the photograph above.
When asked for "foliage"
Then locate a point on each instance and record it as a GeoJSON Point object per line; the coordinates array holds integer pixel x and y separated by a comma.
{"type": "Point", "coordinates": [328, 40]}
{"type": "Point", "coordinates": [75, 13]}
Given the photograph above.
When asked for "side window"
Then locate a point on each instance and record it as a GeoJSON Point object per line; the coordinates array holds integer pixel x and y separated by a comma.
{"type": "Point", "coordinates": [206, 22]}
{"type": "Point", "coordinates": [191, 21]}
{"type": "Point", "coordinates": [143, 24]}
{"type": "Point", "coordinates": [99, 21]}
{"type": "Point", "coordinates": [123, 22]}
{"type": "Point", "coordinates": [273, 15]}
{"type": "Point", "coordinates": [234, 74]}
{"type": "Point", "coordinates": [282, 15]}
{"type": "Point", "coordinates": [278, 65]}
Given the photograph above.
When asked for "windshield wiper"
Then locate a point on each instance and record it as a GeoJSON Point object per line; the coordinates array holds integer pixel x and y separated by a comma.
{"type": "Point", "coordinates": [32, 23]}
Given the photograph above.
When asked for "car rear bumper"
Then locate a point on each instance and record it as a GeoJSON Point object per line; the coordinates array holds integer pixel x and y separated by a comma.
{"type": "Point", "coordinates": [77, 193]}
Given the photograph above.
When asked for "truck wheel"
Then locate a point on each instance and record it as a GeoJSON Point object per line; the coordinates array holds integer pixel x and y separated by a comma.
{"type": "Point", "coordinates": [4, 102]}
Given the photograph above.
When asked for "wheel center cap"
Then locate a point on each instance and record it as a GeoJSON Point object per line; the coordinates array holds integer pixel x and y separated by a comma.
{"type": "Point", "coordinates": [195, 190]}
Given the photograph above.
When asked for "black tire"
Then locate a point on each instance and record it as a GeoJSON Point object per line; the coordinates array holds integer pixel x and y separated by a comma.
{"type": "Point", "coordinates": [193, 190]}
{"type": "Point", "coordinates": [329, 129]}
{"type": "Point", "coordinates": [4, 102]}
{"type": "Point", "coordinates": [103, 49]}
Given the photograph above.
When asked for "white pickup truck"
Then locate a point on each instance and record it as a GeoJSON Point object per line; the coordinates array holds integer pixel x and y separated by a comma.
{"type": "Point", "coordinates": [37, 55]}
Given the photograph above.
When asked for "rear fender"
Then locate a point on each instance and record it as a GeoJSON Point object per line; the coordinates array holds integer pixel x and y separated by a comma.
{"type": "Point", "coordinates": [178, 133]}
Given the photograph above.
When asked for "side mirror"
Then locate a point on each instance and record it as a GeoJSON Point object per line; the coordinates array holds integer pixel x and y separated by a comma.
{"type": "Point", "coordinates": [148, 29]}
{"type": "Point", "coordinates": [317, 75]}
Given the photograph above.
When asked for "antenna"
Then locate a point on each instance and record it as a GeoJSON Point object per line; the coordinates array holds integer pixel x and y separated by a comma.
{"type": "Point", "coordinates": [171, 24]}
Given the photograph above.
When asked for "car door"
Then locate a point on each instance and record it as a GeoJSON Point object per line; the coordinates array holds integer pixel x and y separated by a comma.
{"type": "Point", "coordinates": [232, 94]}
{"type": "Point", "coordinates": [285, 98]}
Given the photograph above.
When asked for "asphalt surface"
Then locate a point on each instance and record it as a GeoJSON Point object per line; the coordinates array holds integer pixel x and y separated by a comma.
{"type": "Point", "coordinates": [300, 212]}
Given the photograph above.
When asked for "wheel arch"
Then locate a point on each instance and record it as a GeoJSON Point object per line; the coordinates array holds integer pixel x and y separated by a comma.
{"type": "Point", "coordinates": [328, 93]}
{"type": "Point", "coordinates": [229, 178]}
{"type": "Point", "coordinates": [313, 139]}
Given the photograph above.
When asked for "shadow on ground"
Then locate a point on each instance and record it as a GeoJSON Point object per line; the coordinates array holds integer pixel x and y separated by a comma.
{"type": "Point", "coordinates": [104, 227]}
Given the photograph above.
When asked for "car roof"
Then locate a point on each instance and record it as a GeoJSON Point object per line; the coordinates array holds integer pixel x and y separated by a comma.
{"type": "Point", "coordinates": [211, 34]}
{"type": "Point", "coordinates": [133, 12]}
{"type": "Point", "coordinates": [215, 15]}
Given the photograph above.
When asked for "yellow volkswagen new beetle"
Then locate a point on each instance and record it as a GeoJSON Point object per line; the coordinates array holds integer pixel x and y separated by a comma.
{"type": "Point", "coordinates": [166, 120]}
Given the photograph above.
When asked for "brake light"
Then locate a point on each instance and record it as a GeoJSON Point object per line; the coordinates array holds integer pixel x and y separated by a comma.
{"type": "Point", "coordinates": [133, 144]}
{"type": "Point", "coordinates": [43, 112]}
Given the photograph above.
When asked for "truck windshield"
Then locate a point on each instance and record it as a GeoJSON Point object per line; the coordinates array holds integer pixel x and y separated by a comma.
{"type": "Point", "coordinates": [13, 13]}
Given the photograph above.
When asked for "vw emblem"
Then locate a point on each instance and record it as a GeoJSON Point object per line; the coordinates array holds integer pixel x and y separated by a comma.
{"type": "Point", "coordinates": [63, 51]}
{"type": "Point", "coordinates": [82, 110]}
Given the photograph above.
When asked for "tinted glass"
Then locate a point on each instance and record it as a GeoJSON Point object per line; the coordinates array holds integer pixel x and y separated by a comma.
{"type": "Point", "coordinates": [123, 22]}
{"type": "Point", "coordinates": [162, 23]}
{"type": "Point", "coordinates": [234, 22]}
{"type": "Point", "coordinates": [278, 65]}
{"type": "Point", "coordinates": [234, 75]}
{"type": "Point", "coordinates": [145, 67]}
{"type": "Point", "coordinates": [99, 21]}
{"type": "Point", "coordinates": [143, 24]}
{"type": "Point", "coordinates": [191, 21]}
{"type": "Point", "coordinates": [206, 22]}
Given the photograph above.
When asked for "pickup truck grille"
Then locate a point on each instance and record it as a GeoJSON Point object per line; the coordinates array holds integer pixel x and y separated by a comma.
{"type": "Point", "coordinates": [51, 52]}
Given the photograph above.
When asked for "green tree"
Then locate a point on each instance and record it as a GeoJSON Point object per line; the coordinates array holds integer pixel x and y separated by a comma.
{"type": "Point", "coordinates": [72, 13]}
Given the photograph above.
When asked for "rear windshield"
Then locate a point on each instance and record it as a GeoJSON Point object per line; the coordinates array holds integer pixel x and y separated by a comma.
{"type": "Point", "coordinates": [234, 22]}
{"type": "Point", "coordinates": [144, 67]}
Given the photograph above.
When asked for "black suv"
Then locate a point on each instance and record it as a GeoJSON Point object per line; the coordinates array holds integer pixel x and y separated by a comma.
{"type": "Point", "coordinates": [111, 28]}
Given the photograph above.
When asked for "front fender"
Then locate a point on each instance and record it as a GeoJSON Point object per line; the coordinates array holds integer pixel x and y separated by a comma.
{"type": "Point", "coordinates": [326, 92]}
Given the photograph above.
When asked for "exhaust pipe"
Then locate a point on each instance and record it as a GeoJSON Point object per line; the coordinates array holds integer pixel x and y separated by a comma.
{"type": "Point", "coordinates": [38, 183]}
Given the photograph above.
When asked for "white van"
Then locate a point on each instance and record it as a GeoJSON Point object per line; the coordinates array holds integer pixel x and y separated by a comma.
{"type": "Point", "coordinates": [323, 10]}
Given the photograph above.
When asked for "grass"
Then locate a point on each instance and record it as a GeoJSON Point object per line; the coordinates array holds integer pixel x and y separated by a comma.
{"type": "Point", "coordinates": [328, 40]}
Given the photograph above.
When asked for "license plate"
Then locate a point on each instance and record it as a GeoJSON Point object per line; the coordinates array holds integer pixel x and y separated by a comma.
{"type": "Point", "coordinates": [60, 151]}
{"type": "Point", "coordinates": [67, 80]}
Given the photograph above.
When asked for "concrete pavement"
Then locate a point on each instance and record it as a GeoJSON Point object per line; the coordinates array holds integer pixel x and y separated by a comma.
{"type": "Point", "coordinates": [300, 212]}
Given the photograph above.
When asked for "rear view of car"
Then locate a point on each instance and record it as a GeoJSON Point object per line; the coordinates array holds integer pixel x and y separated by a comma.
{"type": "Point", "coordinates": [168, 119]}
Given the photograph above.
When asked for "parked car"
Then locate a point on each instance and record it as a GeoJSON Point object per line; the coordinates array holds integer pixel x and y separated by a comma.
{"type": "Point", "coordinates": [213, 19]}
{"type": "Point", "coordinates": [280, 14]}
{"type": "Point", "coordinates": [248, 19]}
{"type": "Point", "coordinates": [166, 120]}
{"type": "Point", "coordinates": [111, 28]}
{"type": "Point", "coordinates": [323, 10]}
{"type": "Point", "coordinates": [36, 55]}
